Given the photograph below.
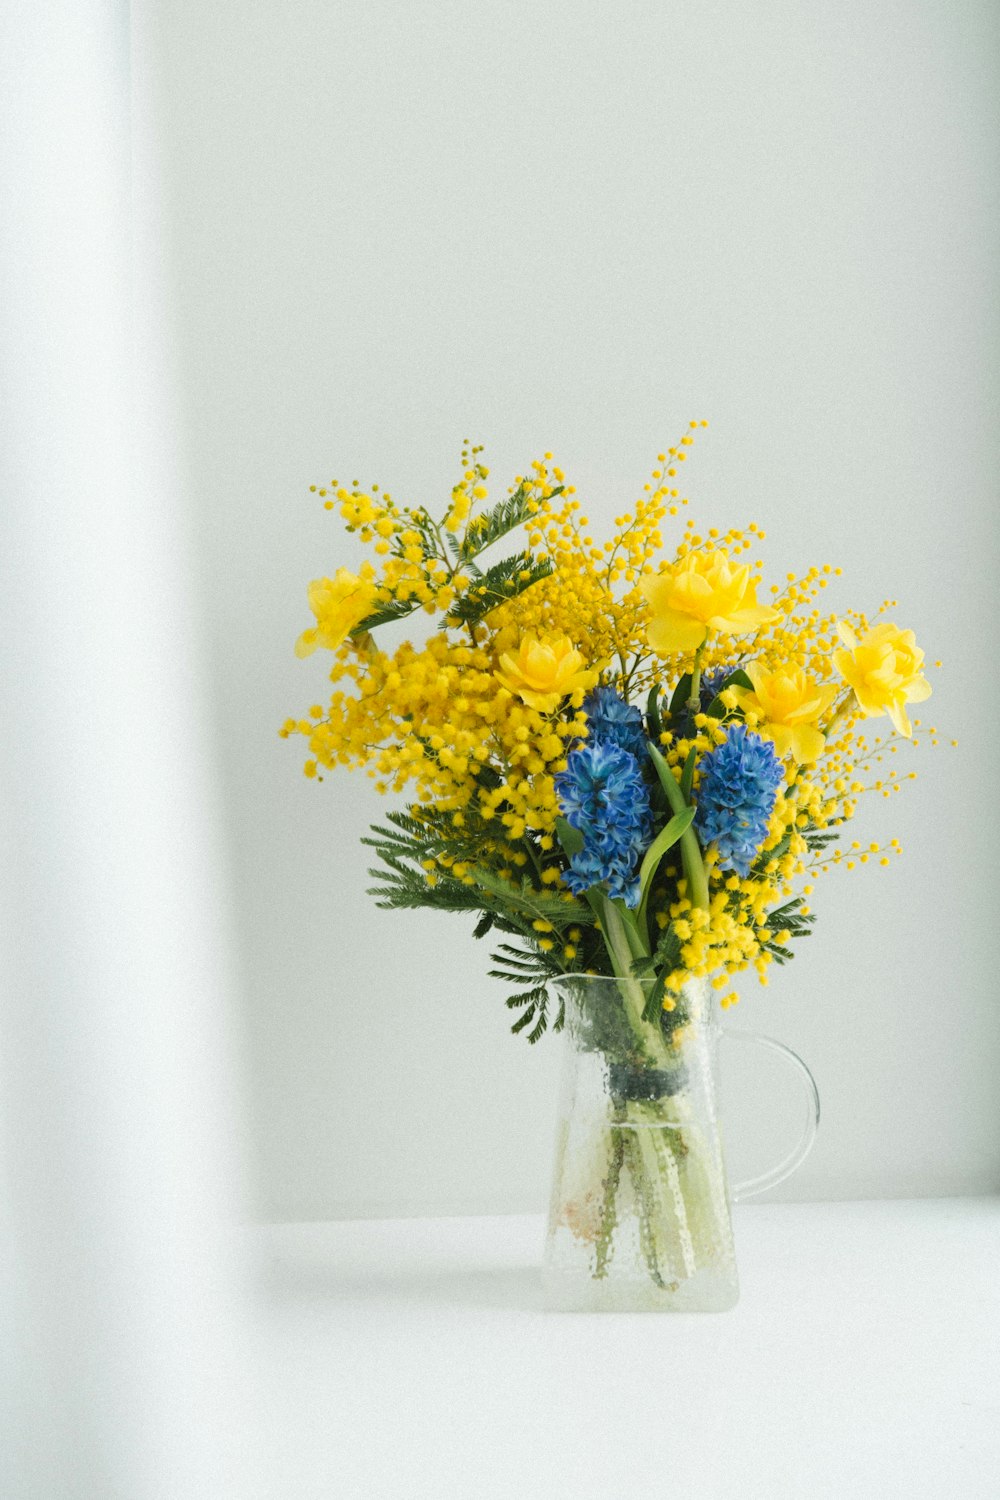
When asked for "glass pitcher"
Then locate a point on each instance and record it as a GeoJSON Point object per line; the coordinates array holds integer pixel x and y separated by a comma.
{"type": "Point", "coordinates": [640, 1211]}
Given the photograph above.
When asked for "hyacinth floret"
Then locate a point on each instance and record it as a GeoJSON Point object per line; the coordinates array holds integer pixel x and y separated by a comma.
{"type": "Point", "coordinates": [611, 720]}
{"type": "Point", "coordinates": [736, 796]}
{"type": "Point", "coordinates": [602, 794]}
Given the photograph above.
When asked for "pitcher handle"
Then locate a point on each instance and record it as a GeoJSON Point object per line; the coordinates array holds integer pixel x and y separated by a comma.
{"type": "Point", "coordinates": [810, 1118]}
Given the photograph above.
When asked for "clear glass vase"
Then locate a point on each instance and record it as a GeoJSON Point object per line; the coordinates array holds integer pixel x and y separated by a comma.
{"type": "Point", "coordinates": [640, 1210]}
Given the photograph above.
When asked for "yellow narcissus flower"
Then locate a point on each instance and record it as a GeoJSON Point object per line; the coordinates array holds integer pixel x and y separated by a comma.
{"type": "Point", "coordinates": [544, 672]}
{"type": "Point", "coordinates": [788, 704]}
{"type": "Point", "coordinates": [339, 604]}
{"type": "Point", "coordinates": [704, 592]}
{"type": "Point", "coordinates": [883, 668]}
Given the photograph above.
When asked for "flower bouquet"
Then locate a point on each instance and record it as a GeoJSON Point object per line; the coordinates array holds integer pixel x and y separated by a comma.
{"type": "Point", "coordinates": [630, 770]}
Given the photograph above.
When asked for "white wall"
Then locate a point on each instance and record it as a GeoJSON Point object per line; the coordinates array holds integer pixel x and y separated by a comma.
{"type": "Point", "coordinates": [574, 226]}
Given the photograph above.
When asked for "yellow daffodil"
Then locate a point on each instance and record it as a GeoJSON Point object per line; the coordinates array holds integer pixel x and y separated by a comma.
{"type": "Point", "coordinates": [544, 672]}
{"type": "Point", "coordinates": [703, 593]}
{"type": "Point", "coordinates": [787, 704]}
{"type": "Point", "coordinates": [883, 668]}
{"type": "Point", "coordinates": [339, 604]}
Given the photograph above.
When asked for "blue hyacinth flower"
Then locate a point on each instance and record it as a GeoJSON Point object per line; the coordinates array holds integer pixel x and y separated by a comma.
{"type": "Point", "coordinates": [603, 795]}
{"type": "Point", "coordinates": [736, 796]}
{"type": "Point", "coordinates": [610, 720]}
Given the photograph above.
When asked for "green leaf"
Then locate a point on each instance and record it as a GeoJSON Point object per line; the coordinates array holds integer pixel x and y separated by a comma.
{"type": "Point", "coordinates": [637, 945]}
{"type": "Point", "coordinates": [504, 581]}
{"type": "Point", "coordinates": [548, 905]}
{"type": "Point", "coordinates": [653, 723]}
{"type": "Point", "coordinates": [694, 868]}
{"type": "Point", "coordinates": [571, 838]}
{"type": "Point", "coordinates": [717, 709]}
{"type": "Point", "coordinates": [488, 527]}
{"type": "Point", "coordinates": [527, 997]}
{"type": "Point", "coordinates": [407, 891]}
{"type": "Point", "coordinates": [384, 614]}
{"type": "Point", "coordinates": [668, 950]}
{"type": "Point", "coordinates": [764, 858]}
{"type": "Point", "coordinates": [665, 959]}
{"type": "Point", "coordinates": [523, 1019]}
{"type": "Point", "coordinates": [668, 780]}
{"type": "Point", "coordinates": [784, 916]}
{"type": "Point", "coordinates": [680, 697]}
{"type": "Point", "coordinates": [534, 1005]}
{"type": "Point", "coordinates": [539, 1028]}
{"type": "Point", "coordinates": [665, 839]}
{"type": "Point", "coordinates": [484, 924]}
{"type": "Point", "coordinates": [654, 1000]}
{"type": "Point", "coordinates": [819, 838]}
{"type": "Point", "coordinates": [687, 775]}
{"type": "Point", "coordinates": [529, 959]}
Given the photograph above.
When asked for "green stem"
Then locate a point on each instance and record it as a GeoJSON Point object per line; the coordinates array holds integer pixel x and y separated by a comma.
{"type": "Point", "coordinates": [443, 553]}
{"type": "Point", "coordinates": [624, 943]}
{"type": "Point", "coordinates": [694, 698]}
{"type": "Point", "coordinates": [621, 950]}
{"type": "Point", "coordinates": [641, 1143]}
{"type": "Point", "coordinates": [642, 1182]}
{"type": "Point", "coordinates": [609, 1211]}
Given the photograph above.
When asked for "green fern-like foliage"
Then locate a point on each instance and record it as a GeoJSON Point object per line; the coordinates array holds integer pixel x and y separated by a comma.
{"type": "Point", "coordinates": [497, 585]}
{"type": "Point", "coordinates": [485, 529]}
{"type": "Point", "coordinates": [503, 904]}
{"type": "Point", "coordinates": [503, 581]}
{"type": "Point", "coordinates": [660, 964]}
{"type": "Point", "coordinates": [791, 919]}
{"type": "Point", "coordinates": [530, 971]}
{"type": "Point", "coordinates": [384, 614]}
{"type": "Point", "coordinates": [522, 900]}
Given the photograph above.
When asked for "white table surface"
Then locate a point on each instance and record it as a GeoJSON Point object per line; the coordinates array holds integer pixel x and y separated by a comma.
{"type": "Point", "coordinates": [412, 1358]}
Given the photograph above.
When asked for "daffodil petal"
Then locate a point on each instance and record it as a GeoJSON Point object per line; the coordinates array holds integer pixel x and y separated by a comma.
{"type": "Point", "coordinates": [671, 633]}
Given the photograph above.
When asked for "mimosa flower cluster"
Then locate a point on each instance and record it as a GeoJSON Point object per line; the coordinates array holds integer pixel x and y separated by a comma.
{"type": "Point", "coordinates": [622, 759]}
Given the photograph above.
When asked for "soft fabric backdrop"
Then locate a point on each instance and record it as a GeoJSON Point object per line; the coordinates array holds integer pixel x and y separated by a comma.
{"type": "Point", "coordinates": [124, 1288]}
{"type": "Point", "coordinates": [572, 227]}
